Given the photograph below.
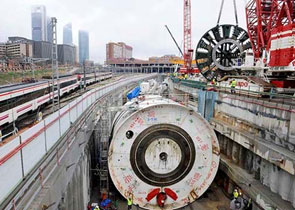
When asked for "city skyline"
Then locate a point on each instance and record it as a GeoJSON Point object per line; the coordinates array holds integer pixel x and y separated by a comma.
{"type": "Point", "coordinates": [83, 46]}
{"type": "Point", "coordinates": [108, 21]}
{"type": "Point", "coordinates": [68, 34]}
{"type": "Point", "coordinates": [39, 23]}
{"type": "Point", "coordinates": [49, 29]}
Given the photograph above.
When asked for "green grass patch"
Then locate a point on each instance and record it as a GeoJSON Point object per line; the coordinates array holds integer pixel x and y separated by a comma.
{"type": "Point", "coordinates": [17, 77]}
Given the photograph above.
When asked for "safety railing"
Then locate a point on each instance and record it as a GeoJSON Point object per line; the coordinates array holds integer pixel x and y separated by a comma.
{"type": "Point", "coordinates": [19, 156]}
{"type": "Point", "coordinates": [256, 92]}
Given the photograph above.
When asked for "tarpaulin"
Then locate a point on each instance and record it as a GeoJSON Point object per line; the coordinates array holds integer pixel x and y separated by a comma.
{"type": "Point", "coordinates": [134, 93]}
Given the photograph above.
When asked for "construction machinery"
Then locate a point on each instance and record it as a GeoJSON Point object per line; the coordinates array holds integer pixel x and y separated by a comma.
{"type": "Point", "coordinates": [271, 29]}
{"type": "Point", "coordinates": [162, 160]}
{"type": "Point", "coordinates": [187, 38]}
{"type": "Point", "coordinates": [221, 49]}
{"type": "Point", "coordinates": [262, 17]}
{"type": "Point", "coordinates": [187, 53]}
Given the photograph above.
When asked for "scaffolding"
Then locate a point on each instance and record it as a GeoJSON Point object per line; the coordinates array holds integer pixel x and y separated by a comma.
{"type": "Point", "coordinates": [104, 128]}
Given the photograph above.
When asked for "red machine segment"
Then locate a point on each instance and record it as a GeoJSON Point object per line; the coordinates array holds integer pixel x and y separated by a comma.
{"type": "Point", "coordinates": [171, 193]}
{"type": "Point", "coordinates": [152, 194]}
{"type": "Point", "coordinates": [262, 17]}
{"type": "Point", "coordinates": [161, 198]}
{"type": "Point", "coordinates": [282, 51]}
{"type": "Point", "coordinates": [283, 83]}
{"type": "Point", "coordinates": [192, 71]}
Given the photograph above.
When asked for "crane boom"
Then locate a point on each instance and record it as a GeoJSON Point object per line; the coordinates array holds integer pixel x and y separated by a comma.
{"type": "Point", "coordinates": [174, 40]}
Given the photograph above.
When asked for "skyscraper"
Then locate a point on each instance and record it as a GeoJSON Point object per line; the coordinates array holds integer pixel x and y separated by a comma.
{"type": "Point", "coordinates": [83, 46]}
{"type": "Point", "coordinates": [49, 30]}
{"type": "Point", "coordinates": [67, 34]}
{"type": "Point", "coordinates": [39, 25]}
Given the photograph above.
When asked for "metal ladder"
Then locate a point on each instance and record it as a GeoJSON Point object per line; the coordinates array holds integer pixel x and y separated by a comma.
{"type": "Point", "coordinates": [105, 126]}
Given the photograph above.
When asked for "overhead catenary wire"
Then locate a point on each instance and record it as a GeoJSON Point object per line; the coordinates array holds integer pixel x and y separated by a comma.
{"type": "Point", "coordinates": [220, 12]}
{"type": "Point", "coordinates": [235, 11]}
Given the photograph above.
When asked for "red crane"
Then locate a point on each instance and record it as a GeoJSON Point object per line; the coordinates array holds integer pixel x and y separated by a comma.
{"type": "Point", "coordinates": [187, 35]}
{"type": "Point", "coordinates": [262, 17]}
{"type": "Point", "coordinates": [187, 40]}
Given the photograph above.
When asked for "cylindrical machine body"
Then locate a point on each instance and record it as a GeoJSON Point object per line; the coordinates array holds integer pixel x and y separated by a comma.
{"type": "Point", "coordinates": [162, 154]}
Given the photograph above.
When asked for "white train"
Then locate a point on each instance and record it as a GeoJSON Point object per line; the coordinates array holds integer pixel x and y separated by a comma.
{"type": "Point", "coordinates": [17, 100]}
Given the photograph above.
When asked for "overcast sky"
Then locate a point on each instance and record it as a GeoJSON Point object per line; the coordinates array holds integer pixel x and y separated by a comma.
{"type": "Point", "coordinates": [139, 23]}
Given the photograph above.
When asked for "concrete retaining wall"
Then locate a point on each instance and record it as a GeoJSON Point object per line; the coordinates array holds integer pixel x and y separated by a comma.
{"type": "Point", "coordinates": [271, 120]}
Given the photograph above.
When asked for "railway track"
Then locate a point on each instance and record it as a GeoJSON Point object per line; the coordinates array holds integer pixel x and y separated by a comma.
{"type": "Point", "coordinates": [29, 120]}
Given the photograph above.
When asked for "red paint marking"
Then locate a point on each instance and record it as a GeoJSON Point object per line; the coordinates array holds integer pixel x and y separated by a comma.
{"type": "Point", "coordinates": [130, 188]}
{"type": "Point", "coordinates": [198, 138]}
{"type": "Point", "coordinates": [4, 117]}
{"type": "Point", "coordinates": [196, 178]}
{"type": "Point", "coordinates": [24, 108]}
{"type": "Point", "coordinates": [260, 104]}
{"type": "Point", "coordinates": [242, 84]}
{"type": "Point", "coordinates": [137, 120]}
{"type": "Point", "coordinates": [204, 147]}
{"type": "Point", "coordinates": [127, 179]}
{"type": "Point", "coordinates": [27, 141]}
{"type": "Point", "coordinates": [23, 89]}
{"type": "Point", "coordinates": [140, 200]}
{"type": "Point", "coordinates": [213, 166]}
{"type": "Point", "coordinates": [42, 99]}
{"type": "Point", "coordinates": [29, 88]}
{"type": "Point", "coordinates": [280, 36]}
{"type": "Point", "coordinates": [151, 114]}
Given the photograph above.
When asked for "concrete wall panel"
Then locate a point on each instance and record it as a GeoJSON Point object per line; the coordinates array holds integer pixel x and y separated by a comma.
{"type": "Point", "coordinates": [292, 127]}
{"type": "Point", "coordinates": [265, 115]}
{"type": "Point", "coordinates": [274, 179]}
{"type": "Point", "coordinates": [93, 96]}
{"type": "Point", "coordinates": [73, 111]}
{"type": "Point", "coordinates": [6, 148]}
{"type": "Point", "coordinates": [285, 185]}
{"type": "Point", "coordinates": [52, 130]}
{"type": "Point", "coordinates": [79, 106]}
{"type": "Point", "coordinates": [88, 101]}
{"type": "Point", "coordinates": [265, 172]}
{"type": "Point", "coordinates": [84, 102]}
{"type": "Point", "coordinates": [11, 175]}
{"type": "Point", "coordinates": [65, 119]}
{"type": "Point", "coordinates": [35, 150]}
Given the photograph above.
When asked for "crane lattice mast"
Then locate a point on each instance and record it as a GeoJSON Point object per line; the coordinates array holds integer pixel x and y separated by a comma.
{"type": "Point", "coordinates": [187, 31]}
